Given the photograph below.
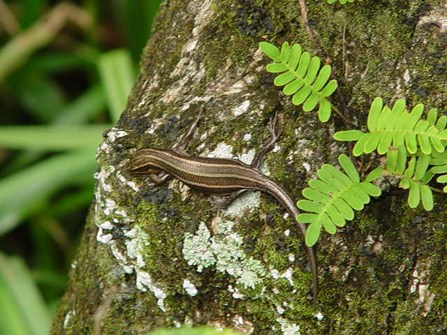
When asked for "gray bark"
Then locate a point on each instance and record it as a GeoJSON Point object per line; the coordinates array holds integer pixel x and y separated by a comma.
{"type": "Point", "coordinates": [139, 266]}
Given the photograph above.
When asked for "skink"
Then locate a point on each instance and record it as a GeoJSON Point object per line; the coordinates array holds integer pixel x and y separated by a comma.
{"type": "Point", "coordinates": [219, 176]}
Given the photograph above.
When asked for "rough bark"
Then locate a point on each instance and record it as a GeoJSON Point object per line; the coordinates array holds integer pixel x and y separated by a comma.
{"type": "Point", "coordinates": [137, 268]}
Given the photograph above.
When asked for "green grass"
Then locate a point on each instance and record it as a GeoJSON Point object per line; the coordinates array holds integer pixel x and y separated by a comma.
{"type": "Point", "coordinates": [60, 89]}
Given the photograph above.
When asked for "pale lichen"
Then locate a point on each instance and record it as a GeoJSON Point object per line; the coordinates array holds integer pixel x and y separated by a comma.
{"type": "Point", "coordinates": [287, 327]}
{"type": "Point", "coordinates": [241, 108]}
{"type": "Point", "coordinates": [110, 216]}
{"type": "Point", "coordinates": [197, 248]}
{"type": "Point", "coordinates": [223, 251]}
{"type": "Point", "coordinates": [68, 318]}
{"type": "Point", "coordinates": [190, 288]}
{"type": "Point", "coordinates": [419, 285]}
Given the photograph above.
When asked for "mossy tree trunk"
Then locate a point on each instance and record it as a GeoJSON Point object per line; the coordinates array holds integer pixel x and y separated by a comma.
{"type": "Point", "coordinates": [168, 256]}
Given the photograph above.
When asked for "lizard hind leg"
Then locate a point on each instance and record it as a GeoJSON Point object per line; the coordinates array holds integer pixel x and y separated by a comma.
{"type": "Point", "coordinates": [273, 125]}
{"type": "Point", "coordinates": [186, 138]}
{"type": "Point", "coordinates": [275, 128]}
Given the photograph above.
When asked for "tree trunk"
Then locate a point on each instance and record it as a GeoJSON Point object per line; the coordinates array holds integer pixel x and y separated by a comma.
{"type": "Point", "coordinates": [164, 256]}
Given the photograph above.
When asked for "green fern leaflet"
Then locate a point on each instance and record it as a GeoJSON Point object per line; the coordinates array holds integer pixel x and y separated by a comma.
{"type": "Point", "coordinates": [439, 166]}
{"type": "Point", "coordinates": [394, 127]}
{"type": "Point", "coordinates": [414, 175]}
{"type": "Point", "coordinates": [333, 196]}
{"type": "Point", "coordinates": [302, 76]}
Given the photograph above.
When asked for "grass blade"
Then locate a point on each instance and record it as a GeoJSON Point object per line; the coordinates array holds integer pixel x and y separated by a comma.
{"type": "Point", "coordinates": [50, 137]}
{"type": "Point", "coordinates": [21, 192]}
{"type": "Point", "coordinates": [117, 77]}
{"type": "Point", "coordinates": [23, 309]}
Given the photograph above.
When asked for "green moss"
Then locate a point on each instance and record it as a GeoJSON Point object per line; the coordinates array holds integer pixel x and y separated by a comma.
{"type": "Point", "coordinates": [366, 269]}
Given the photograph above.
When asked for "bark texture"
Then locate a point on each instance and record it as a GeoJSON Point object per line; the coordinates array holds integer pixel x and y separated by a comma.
{"type": "Point", "coordinates": [167, 256]}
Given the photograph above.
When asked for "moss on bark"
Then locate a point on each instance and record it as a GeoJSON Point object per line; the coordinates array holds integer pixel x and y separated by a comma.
{"type": "Point", "coordinates": [382, 274]}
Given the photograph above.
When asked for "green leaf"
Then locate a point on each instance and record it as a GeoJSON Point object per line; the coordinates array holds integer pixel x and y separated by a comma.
{"type": "Point", "coordinates": [300, 96]}
{"type": "Point", "coordinates": [344, 208]}
{"type": "Point", "coordinates": [391, 160]}
{"type": "Point", "coordinates": [312, 194]}
{"type": "Point", "coordinates": [327, 175]}
{"type": "Point", "coordinates": [432, 116]}
{"type": "Point", "coordinates": [374, 174]}
{"type": "Point", "coordinates": [327, 223]}
{"type": "Point", "coordinates": [271, 51]}
{"type": "Point", "coordinates": [398, 139]}
{"type": "Point", "coordinates": [439, 169]}
{"type": "Point", "coordinates": [374, 114]}
{"type": "Point", "coordinates": [312, 234]}
{"type": "Point", "coordinates": [391, 128]}
{"type": "Point", "coordinates": [293, 86]}
{"type": "Point", "coordinates": [411, 167]}
{"type": "Point", "coordinates": [41, 97]}
{"type": "Point", "coordinates": [311, 102]}
{"type": "Point", "coordinates": [437, 144]}
{"type": "Point", "coordinates": [294, 58]}
{"type": "Point", "coordinates": [276, 68]}
{"type": "Point", "coordinates": [284, 79]}
{"type": "Point", "coordinates": [384, 119]}
{"type": "Point", "coordinates": [303, 65]}
{"type": "Point", "coordinates": [285, 52]}
{"type": "Point", "coordinates": [302, 78]}
{"type": "Point", "coordinates": [371, 189]}
{"type": "Point", "coordinates": [23, 191]}
{"type": "Point", "coordinates": [399, 106]}
{"type": "Point", "coordinates": [442, 180]}
{"type": "Point", "coordinates": [324, 113]}
{"type": "Point", "coordinates": [348, 135]}
{"type": "Point", "coordinates": [335, 216]}
{"type": "Point", "coordinates": [307, 218]}
{"type": "Point", "coordinates": [314, 67]}
{"type": "Point", "coordinates": [385, 144]}
{"type": "Point", "coordinates": [322, 77]}
{"type": "Point", "coordinates": [414, 196]}
{"type": "Point", "coordinates": [411, 144]}
{"type": "Point", "coordinates": [310, 206]}
{"type": "Point", "coordinates": [117, 75]}
{"type": "Point", "coordinates": [424, 144]}
{"type": "Point", "coordinates": [51, 137]}
{"type": "Point", "coordinates": [358, 192]}
{"type": "Point", "coordinates": [401, 160]}
{"type": "Point", "coordinates": [359, 147]}
{"type": "Point", "coordinates": [426, 197]}
{"type": "Point", "coordinates": [441, 123]}
{"type": "Point", "coordinates": [135, 19]}
{"type": "Point", "coordinates": [23, 309]}
{"type": "Point", "coordinates": [53, 62]}
{"type": "Point", "coordinates": [318, 185]}
{"type": "Point", "coordinates": [352, 201]}
{"type": "Point", "coordinates": [84, 108]}
{"type": "Point", "coordinates": [421, 166]}
{"type": "Point", "coordinates": [329, 88]}
{"type": "Point", "coordinates": [332, 197]}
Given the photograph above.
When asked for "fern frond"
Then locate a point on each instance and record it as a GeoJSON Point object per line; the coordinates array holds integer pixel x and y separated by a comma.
{"type": "Point", "coordinates": [414, 176]}
{"type": "Point", "coordinates": [439, 167]}
{"type": "Point", "coordinates": [332, 197]}
{"type": "Point", "coordinates": [302, 76]}
{"type": "Point", "coordinates": [390, 128]}
{"type": "Point", "coordinates": [443, 180]}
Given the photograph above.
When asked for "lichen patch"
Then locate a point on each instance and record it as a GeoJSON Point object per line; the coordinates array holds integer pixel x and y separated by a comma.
{"type": "Point", "coordinates": [224, 252]}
